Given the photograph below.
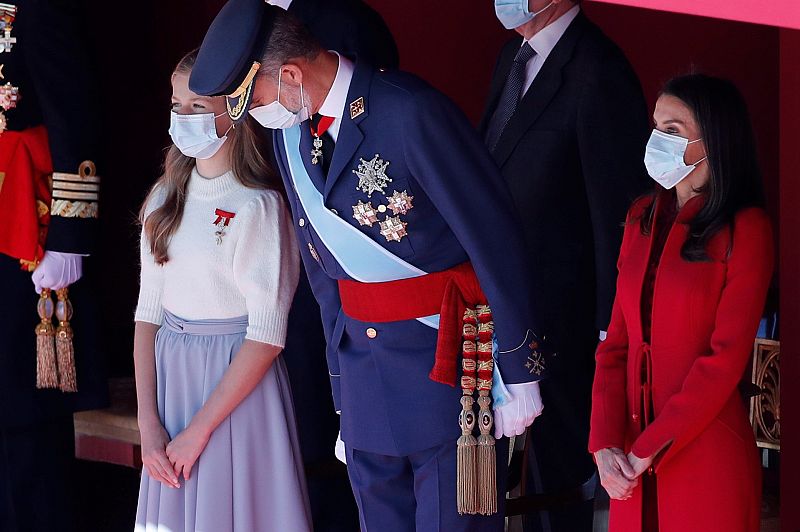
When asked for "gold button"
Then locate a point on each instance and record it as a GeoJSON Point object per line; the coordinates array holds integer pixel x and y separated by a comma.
{"type": "Point", "coordinates": [301, 222]}
{"type": "Point", "coordinates": [381, 208]}
{"type": "Point", "coordinates": [371, 333]}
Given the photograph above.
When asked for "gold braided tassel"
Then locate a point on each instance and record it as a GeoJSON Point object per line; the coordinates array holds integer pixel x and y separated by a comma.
{"type": "Point", "coordinates": [46, 375]}
{"type": "Point", "coordinates": [64, 347]}
{"type": "Point", "coordinates": [487, 456]}
{"type": "Point", "coordinates": [466, 479]}
{"type": "Point", "coordinates": [487, 459]}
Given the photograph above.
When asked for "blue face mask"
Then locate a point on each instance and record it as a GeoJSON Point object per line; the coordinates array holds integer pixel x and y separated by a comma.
{"type": "Point", "coordinates": [514, 13]}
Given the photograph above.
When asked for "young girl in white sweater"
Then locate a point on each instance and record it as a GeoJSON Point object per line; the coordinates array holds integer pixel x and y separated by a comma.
{"type": "Point", "coordinates": [219, 271]}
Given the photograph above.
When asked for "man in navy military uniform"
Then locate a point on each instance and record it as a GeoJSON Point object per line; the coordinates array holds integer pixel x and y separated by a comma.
{"type": "Point", "coordinates": [404, 226]}
{"type": "Point", "coordinates": [47, 131]}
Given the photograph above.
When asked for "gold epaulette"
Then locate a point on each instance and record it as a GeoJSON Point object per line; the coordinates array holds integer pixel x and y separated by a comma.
{"type": "Point", "coordinates": [76, 195]}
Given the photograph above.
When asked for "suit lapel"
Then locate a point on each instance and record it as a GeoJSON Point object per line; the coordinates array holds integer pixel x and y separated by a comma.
{"type": "Point", "coordinates": [543, 89]}
{"type": "Point", "coordinates": [314, 170]}
{"type": "Point", "coordinates": [350, 134]}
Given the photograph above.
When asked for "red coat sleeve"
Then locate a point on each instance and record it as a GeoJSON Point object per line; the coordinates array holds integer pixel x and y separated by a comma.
{"type": "Point", "coordinates": [609, 405]}
{"type": "Point", "coordinates": [713, 378]}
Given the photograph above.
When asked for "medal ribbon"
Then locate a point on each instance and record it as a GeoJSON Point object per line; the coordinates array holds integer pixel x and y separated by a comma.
{"type": "Point", "coordinates": [223, 215]}
{"type": "Point", "coordinates": [323, 125]}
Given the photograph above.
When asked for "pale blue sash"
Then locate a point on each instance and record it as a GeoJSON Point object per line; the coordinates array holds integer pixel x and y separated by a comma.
{"type": "Point", "coordinates": [360, 257]}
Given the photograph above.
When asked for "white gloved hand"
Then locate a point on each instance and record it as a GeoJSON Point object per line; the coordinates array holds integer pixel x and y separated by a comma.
{"type": "Point", "coordinates": [512, 418]}
{"type": "Point", "coordinates": [339, 451]}
{"type": "Point", "coordinates": [57, 270]}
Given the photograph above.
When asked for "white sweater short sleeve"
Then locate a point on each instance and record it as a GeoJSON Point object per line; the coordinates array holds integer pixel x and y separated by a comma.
{"type": "Point", "coordinates": [266, 266]}
{"type": "Point", "coordinates": [151, 282]}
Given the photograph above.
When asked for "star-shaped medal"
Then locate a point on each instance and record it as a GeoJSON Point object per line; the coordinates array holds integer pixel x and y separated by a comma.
{"type": "Point", "coordinates": [393, 228]}
{"type": "Point", "coordinates": [364, 213]}
{"type": "Point", "coordinates": [400, 202]}
{"type": "Point", "coordinates": [372, 175]}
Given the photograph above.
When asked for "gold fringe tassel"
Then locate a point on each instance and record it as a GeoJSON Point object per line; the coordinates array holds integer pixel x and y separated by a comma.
{"type": "Point", "coordinates": [64, 346]}
{"type": "Point", "coordinates": [46, 373]}
{"type": "Point", "coordinates": [466, 455]}
{"type": "Point", "coordinates": [487, 459]}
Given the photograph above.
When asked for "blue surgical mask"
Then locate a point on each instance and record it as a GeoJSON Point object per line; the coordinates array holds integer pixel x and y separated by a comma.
{"type": "Point", "coordinates": [663, 158]}
{"type": "Point", "coordinates": [514, 13]}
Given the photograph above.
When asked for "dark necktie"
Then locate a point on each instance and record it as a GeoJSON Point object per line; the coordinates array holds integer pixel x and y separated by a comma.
{"type": "Point", "coordinates": [512, 93]}
{"type": "Point", "coordinates": [327, 143]}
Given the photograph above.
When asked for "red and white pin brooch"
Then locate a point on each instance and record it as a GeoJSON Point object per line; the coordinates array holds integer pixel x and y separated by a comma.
{"type": "Point", "coordinates": [221, 222]}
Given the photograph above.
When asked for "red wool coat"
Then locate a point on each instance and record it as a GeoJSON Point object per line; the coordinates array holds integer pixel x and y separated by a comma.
{"type": "Point", "coordinates": [704, 320]}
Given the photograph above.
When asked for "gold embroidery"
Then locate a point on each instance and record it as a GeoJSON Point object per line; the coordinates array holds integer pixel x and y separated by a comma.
{"type": "Point", "coordinates": [74, 209]}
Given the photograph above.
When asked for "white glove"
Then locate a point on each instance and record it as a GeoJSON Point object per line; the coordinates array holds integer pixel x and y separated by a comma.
{"type": "Point", "coordinates": [57, 270]}
{"type": "Point", "coordinates": [512, 418]}
{"type": "Point", "coordinates": [339, 451]}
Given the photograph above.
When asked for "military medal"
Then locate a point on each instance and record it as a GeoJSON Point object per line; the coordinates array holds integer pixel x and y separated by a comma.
{"type": "Point", "coordinates": [393, 228]}
{"type": "Point", "coordinates": [9, 94]}
{"type": "Point", "coordinates": [400, 202]}
{"type": "Point", "coordinates": [323, 125]}
{"type": "Point", "coordinates": [364, 213]}
{"type": "Point", "coordinates": [8, 13]}
{"type": "Point", "coordinates": [221, 222]}
{"type": "Point", "coordinates": [372, 175]}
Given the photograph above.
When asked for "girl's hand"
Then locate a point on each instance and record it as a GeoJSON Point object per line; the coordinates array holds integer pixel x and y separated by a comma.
{"type": "Point", "coordinates": [616, 475]}
{"type": "Point", "coordinates": [185, 449]}
{"type": "Point", "coordinates": [154, 457]}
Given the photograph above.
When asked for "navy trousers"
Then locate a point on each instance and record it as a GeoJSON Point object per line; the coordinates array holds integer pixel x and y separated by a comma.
{"type": "Point", "coordinates": [418, 492]}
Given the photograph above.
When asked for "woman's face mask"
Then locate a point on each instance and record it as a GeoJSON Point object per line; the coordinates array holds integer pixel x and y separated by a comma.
{"type": "Point", "coordinates": [514, 13]}
{"type": "Point", "coordinates": [663, 158]}
{"type": "Point", "coordinates": [196, 134]}
{"type": "Point", "coordinates": [275, 115]}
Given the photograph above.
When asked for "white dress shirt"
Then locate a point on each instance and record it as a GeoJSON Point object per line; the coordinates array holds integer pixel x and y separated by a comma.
{"type": "Point", "coordinates": [544, 42]}
{"type": "Point", "coordinates": [336, 100]}
{"type": "Point", "coordinates": [284, 4]}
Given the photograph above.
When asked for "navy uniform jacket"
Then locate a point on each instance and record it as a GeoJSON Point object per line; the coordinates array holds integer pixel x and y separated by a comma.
{"type": "Point", "coordinates": [50, 66]}
{"type": "Point", "coordinates": [461, 211]}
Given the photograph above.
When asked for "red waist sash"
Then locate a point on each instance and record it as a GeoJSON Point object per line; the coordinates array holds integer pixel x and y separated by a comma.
{"type": "Point", "coordinates": [447, 293]}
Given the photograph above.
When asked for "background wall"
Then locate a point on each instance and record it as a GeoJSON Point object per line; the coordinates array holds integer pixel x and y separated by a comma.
{"type": "Point", "coordinates": [454, 48]}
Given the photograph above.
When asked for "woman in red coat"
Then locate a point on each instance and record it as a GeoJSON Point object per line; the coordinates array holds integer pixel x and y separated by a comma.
{"type": "Point", "coordinates": [669, 430]}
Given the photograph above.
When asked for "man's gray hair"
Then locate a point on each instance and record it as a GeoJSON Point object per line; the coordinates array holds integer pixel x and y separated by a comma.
{"type": "Point", "coordinates": [290, 39]}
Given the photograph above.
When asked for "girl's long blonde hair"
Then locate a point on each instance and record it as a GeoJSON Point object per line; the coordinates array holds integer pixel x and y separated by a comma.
{"type": "Point", "coordinates": [247, 147]}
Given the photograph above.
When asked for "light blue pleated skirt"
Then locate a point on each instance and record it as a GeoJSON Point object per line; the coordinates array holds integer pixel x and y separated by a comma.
{"type": "Point", "coordinates": [250, 476]}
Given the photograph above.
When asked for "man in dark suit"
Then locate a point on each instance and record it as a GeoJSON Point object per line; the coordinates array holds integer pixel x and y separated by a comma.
{"type": "Point", "coordinates": [566, 122]}
{"type": "Point", "coordinates": [355, 30]}
{"type": "Point", "coordinates": [47, 131]}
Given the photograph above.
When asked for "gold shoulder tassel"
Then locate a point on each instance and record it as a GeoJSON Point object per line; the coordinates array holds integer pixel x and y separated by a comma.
{"type": "Point", "coordinates": [46, 375]}
{"type": "Point", "coordinates": [64, 347]}
{"type": "Point", "coordinates": [466, 480]}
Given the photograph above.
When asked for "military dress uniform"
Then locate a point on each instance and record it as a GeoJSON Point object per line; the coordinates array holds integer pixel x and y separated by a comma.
{"type": "Point", "coordinates": [403, 227]}
{"type": "Point", "coordinates": [49, 202]}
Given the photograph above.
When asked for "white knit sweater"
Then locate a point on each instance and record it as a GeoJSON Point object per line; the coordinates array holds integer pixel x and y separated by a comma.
{"type": "Point", "coordinates": [253, 271]}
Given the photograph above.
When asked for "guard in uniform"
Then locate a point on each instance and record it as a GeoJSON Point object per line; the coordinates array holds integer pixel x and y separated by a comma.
{"type": "Point", "coordinates": [49, 191]}
{"type": "Point", "coordinates": [414, 255]}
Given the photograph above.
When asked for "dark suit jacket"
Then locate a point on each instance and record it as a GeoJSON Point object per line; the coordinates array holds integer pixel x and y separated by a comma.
{"type": "Point", "coordinates": [572, 157]}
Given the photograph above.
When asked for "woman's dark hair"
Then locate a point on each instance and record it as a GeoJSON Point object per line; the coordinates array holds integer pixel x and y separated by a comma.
{"type": "Point", "coordinates": [735, 177]}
